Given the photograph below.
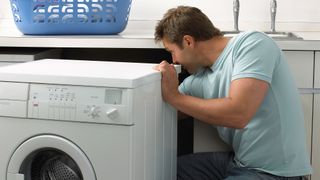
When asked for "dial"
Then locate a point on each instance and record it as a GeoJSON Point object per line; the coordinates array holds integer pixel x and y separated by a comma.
{"type": "Point", "coordinates": [112, 113]}
{"type": "Point", "coordinates": [94, 112]}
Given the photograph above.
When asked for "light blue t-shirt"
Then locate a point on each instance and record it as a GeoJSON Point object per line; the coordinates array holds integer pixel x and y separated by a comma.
{"type": "Point", "coordinates": [274, 140]}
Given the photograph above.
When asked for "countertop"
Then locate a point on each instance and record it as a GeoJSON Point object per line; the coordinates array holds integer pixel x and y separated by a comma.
{"type": "Point", "coordinates": [136, 35]}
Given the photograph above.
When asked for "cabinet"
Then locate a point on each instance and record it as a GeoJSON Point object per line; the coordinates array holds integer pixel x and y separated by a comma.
{"type": "Point", "coordinates": [206, 139]}
{"type": "Point", "coordinates": [301, 64]}
{"type": "Point", "coordinates": [307, 104]}
{"type": "Point", "coordinates": [316, 122]}
{"type": "Point", "coordinates": [316, 139]}
{"type": "Point", "coordinates": [317, 71]}
{"type": "Point", "coordinates": [10, 56]}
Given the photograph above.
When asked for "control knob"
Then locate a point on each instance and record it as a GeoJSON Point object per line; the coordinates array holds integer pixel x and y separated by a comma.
{"type": "Point", "coordinates": [112, 113]}
{"type": "Point", "coordinates": [94, 112]}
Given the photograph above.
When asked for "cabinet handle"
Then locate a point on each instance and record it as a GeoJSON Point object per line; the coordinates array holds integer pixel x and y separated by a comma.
{"type": "Point", "coordinates": [309, 91]}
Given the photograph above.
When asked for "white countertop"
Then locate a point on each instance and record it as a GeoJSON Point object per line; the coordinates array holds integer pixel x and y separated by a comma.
{"type": "Point", "coordinates": [136, 35]}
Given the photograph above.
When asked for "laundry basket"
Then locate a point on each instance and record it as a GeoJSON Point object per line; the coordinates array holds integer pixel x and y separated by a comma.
{"type": "Point", "coordinates": [45, 17]}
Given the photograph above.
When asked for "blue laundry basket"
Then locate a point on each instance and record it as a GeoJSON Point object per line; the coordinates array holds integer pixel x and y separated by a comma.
{"type": "Point", "coordinates": [45, 17]}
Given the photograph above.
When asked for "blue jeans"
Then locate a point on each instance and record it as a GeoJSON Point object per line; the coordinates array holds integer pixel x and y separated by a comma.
{"type": "Point", "coordinates": [219, 166]}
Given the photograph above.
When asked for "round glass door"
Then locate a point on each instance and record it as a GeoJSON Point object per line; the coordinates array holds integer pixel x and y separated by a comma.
{"type": "Point", "coordinates": [50, 164]}
{"type": "Point", "coordinates": [49, 157]}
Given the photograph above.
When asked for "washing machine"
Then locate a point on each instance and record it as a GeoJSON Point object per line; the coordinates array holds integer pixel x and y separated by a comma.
{"type": "Point", "coordinates": [85, 120]}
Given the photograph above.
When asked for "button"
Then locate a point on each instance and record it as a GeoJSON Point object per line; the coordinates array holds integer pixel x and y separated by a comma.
{"type": "Point", "coordinates": [35, 109]}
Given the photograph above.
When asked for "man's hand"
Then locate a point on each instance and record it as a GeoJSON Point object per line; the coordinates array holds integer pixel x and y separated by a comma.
{"type": "Point", "coordinates": [169, 81]}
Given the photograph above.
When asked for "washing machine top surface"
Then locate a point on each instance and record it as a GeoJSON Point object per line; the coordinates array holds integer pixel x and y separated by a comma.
{"type": "Point", "coordinates": [80, 72]}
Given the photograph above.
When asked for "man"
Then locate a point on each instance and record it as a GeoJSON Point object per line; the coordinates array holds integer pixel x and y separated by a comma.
{"type": "Point", "coordinates": [241, 85]}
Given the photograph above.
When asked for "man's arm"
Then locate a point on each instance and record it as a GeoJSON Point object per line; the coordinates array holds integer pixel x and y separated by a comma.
{"type": "Point", "coordinates": [236, 110]}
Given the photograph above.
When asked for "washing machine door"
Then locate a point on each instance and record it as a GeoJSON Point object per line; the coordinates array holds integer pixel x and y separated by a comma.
{"type": "Point", "coordinates": [49, 157]}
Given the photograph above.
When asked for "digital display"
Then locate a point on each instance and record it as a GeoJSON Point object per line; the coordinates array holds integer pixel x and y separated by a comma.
{"type": "Point", "coordinates": [113, 96]}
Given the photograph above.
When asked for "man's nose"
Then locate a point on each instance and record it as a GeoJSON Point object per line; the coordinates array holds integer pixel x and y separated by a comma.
{"type": "Point", "coordinates": [174, 60]}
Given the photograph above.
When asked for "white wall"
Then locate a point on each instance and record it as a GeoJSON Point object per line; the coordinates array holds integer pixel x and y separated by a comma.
{"type": "Point", "coordinates": [220, 10]}
{"type": "Point", "coordinates": [4, 9]}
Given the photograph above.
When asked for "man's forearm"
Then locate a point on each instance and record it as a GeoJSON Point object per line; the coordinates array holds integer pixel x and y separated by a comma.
{"type": "Point", "coordinates": [221, 112]}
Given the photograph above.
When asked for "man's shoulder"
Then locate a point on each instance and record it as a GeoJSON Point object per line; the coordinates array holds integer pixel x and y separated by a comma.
{"type": "Point", "coordinates": [252, 34]}
{"type": "Point", "coordinates": [253, 39]}
{"type": "Point", "coordinates": [249, 36]}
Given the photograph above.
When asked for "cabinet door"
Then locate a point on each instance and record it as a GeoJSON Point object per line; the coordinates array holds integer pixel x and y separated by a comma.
{"type": "Point", "coordinates": [206, 138]}
{"type": "Point", "coordinates": [307, 102]}
{"type": "Point", "coordinates": [316, 139]}
{"type": "Point", "coordinates": [316, 122]}
{"type": "Point", "coordinates": [301, 65]}
{"type": "Point", "coordinates": [317, 71]}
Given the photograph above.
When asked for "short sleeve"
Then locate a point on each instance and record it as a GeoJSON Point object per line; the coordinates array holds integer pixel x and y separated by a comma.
{"type": "Point", "coordinates": [192, 85]}
{"type": "Point", "coordinates": [182, 88]}
{"type": "Point", "coordinates": [255, 56]}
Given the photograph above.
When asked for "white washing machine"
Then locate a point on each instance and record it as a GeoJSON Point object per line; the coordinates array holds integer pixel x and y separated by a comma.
{"type": "Point", "coordinates": [85, 120]}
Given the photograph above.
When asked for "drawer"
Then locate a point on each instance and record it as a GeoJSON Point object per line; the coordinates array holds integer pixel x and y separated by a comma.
{"type": "Point", "coordinates": [301, 64]}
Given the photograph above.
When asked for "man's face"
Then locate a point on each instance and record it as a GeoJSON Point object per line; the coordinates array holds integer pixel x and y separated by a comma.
{"type": "Point", "coordinates": [184, 56]}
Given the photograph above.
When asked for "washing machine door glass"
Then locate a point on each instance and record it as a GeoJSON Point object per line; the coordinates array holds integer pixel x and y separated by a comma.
{"type": "Point", "coordinates": [50, 164]}
{"type": "Point", "coordinates": [60, 167]}
{"type": "Point", "coordinates": [49, 157]}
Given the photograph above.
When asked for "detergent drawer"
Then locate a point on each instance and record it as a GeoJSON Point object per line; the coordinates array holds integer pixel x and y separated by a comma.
{"type": "Point", "coordinates": [14, 91]}
{"type": "Point", "coordinates": [13, 99]}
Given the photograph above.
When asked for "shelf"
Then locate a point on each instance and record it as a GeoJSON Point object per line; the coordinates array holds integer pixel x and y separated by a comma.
{"type": "Point", "coordinates": [138, 34]}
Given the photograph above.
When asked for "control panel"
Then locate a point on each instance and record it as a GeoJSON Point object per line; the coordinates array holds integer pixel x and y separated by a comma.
{"type": "Point", "coordinates": [78, 103]}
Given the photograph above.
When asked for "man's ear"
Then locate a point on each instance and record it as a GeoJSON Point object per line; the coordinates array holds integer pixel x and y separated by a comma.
{"type": "Point", "coordinates": [188, 41]}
